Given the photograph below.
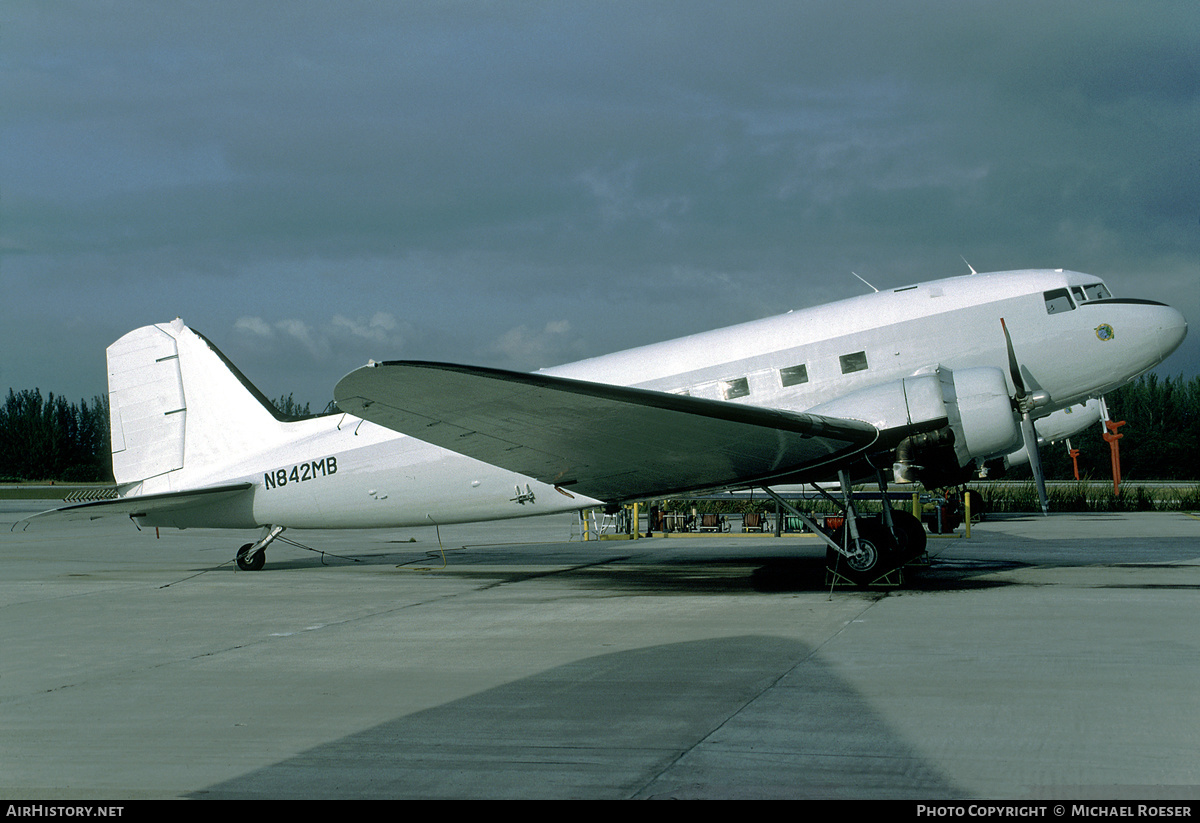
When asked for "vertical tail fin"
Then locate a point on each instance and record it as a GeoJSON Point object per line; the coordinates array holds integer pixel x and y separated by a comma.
{"type": "Point", "coordinates": [179, 410]}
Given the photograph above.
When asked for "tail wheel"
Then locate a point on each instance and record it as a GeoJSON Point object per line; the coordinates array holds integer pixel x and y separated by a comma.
{"type": "Point", "coordinates": [873, 557]}
{"type": "Point", "coordinates": [250, 562]}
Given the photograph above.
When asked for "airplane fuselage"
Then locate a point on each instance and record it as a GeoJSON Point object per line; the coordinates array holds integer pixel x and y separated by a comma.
{"type": "Point", "coordinates": [954, 323]}
{"type": "Point", "coordinates": [1073, 342]}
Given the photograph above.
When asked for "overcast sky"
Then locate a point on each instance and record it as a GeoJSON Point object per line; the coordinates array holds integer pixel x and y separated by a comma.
{"type": "Point", "coordinates": [519, 184]}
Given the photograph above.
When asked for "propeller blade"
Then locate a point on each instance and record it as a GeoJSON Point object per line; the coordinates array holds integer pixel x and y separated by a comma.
{"type": "Point", "coordinates": [1028, 434]}
{"type": "Point", "coordinates": [1013, 368]}
{"type": "Point", "coordinates": [1035, 461]}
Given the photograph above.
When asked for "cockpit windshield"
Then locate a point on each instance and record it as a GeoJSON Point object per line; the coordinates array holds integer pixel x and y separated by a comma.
{"type": "Point", "coordinates": [1090, 291]}
{"type": "Point", "coordinates": [1060, 300]}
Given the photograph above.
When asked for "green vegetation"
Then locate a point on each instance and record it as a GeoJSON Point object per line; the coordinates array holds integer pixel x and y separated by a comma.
{"type": "Point", "coordinates": [1082, 496]}
{"type": "Point", "coordinates": [49, 438]}
{"type": "Point", "coordinates": [288, 407]}
{"type": "Point", "coordinates": [1160, 441]}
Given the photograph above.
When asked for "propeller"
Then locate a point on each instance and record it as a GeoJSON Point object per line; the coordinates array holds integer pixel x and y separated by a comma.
{"type": "Point", "coordinates": [1026, 401]}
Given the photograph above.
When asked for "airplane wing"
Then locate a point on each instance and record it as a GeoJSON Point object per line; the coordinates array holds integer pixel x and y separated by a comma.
{"type": "Point", "coordinates": [163, 505]}
{"type": "Point", "coordinates": [611, 443]}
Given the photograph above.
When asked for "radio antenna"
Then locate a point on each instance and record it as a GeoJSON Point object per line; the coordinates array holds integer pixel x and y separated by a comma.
{"type": "Point", "coordinates": [856, 275]}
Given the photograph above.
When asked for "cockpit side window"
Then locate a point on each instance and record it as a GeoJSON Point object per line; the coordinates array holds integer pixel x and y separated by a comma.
{"type": "Point", "coordinates": [1058, 301]}
{"type": "Point", "coordinates": [1096, 291]}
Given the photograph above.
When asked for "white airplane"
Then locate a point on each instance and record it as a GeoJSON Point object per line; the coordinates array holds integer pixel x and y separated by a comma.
{"type": "Point", "coordinates": [931, 382]}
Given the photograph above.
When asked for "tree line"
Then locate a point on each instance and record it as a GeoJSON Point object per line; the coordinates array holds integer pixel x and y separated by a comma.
{"type": "Point", "coordinates": [1159, 441]}
{"type": "Point", "coordinates": [50, 438]}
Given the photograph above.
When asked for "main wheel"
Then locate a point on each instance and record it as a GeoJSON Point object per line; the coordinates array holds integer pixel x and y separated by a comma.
{"type": "Point", "coordinates": [248, 563]}
{"type": "Point", "coordinates": [873, 557]}
{"type": "Point", "coordinates": [911, 538]}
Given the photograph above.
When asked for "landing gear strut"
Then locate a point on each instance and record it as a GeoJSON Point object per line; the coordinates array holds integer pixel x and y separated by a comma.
{"type": "Point", "coordinates": [865, 550]}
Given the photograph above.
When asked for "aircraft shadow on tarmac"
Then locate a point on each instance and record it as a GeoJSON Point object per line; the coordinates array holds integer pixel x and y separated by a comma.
{"type": "Point", "coordinates": [959, 565]}
{"type": "Point", "coordinates": [711, 574]}
{"type": "Point", "coordinates": [736, 717]}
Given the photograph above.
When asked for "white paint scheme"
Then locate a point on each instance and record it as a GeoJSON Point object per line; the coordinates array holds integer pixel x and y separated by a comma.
{"type": "Point", "coordinates": [227, 435]}
{"type": "Point", "coordinates": [954, 323]}
{"type": "Point", "coordinates": [934, 334]}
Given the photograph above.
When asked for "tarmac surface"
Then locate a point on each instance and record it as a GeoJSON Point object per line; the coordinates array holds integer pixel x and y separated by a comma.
{"type": "Point", "coordinates": [1044, 658]}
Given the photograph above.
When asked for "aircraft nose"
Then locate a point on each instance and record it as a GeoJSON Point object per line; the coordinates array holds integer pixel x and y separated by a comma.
{"type": "Point", "coordinates": [1172, 328]}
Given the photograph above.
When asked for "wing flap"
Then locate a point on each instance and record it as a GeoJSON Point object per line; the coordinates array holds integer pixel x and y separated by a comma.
{"type": "Point", "coordinates": [608, 442]}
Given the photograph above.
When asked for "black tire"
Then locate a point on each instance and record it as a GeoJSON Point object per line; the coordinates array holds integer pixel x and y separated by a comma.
{"type": "Point", "coordinates": [911, 538]}
{"type": "Point", "coordinates": [875, 557]}
{"type": "Point", "coordinates": [250, 564]}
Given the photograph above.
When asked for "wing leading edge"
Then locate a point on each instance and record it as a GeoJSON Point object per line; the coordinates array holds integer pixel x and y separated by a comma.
{"type": "Point", "coordinates": [611, 443]}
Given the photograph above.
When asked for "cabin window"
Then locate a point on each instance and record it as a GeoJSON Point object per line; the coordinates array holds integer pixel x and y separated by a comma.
{"type": "Point", "coordinates": [732, 389]}
{"type": "Point", "coordinates": [854, 362]}
{"type": "Point", "coordinates": [794, 375]}
{"type": "Point", "coordinates": [1058, 301]}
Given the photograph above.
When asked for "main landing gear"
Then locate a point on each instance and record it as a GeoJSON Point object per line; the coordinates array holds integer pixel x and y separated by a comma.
{"type": "Point", "coordinates": [866, 550]}
{"type": "Point", "coordinates": [252, 556]}
{"type": "Point", "coordinates": [880, 553]}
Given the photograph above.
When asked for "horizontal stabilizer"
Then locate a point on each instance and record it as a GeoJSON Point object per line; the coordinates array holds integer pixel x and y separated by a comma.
{"type": "Point", "coordinates": [158, 509]}
{"type": "Point", "coordinates": [608, 442]}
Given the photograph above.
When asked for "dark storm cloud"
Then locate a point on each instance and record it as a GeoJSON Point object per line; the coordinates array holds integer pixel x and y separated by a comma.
{"type": "Point", "coordinates": [524, 183]}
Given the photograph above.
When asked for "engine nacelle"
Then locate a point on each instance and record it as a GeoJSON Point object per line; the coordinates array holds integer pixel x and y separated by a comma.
{"type": "Point", "coordinates": [938, 422]}
{"type": "Point", "coordinates": [985, 424]}
{"type": "Point", "coordinates": [904, 406]}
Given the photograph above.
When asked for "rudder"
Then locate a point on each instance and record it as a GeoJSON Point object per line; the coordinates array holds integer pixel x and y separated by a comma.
{"type": "Point", "coordinates": [179, 411]}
